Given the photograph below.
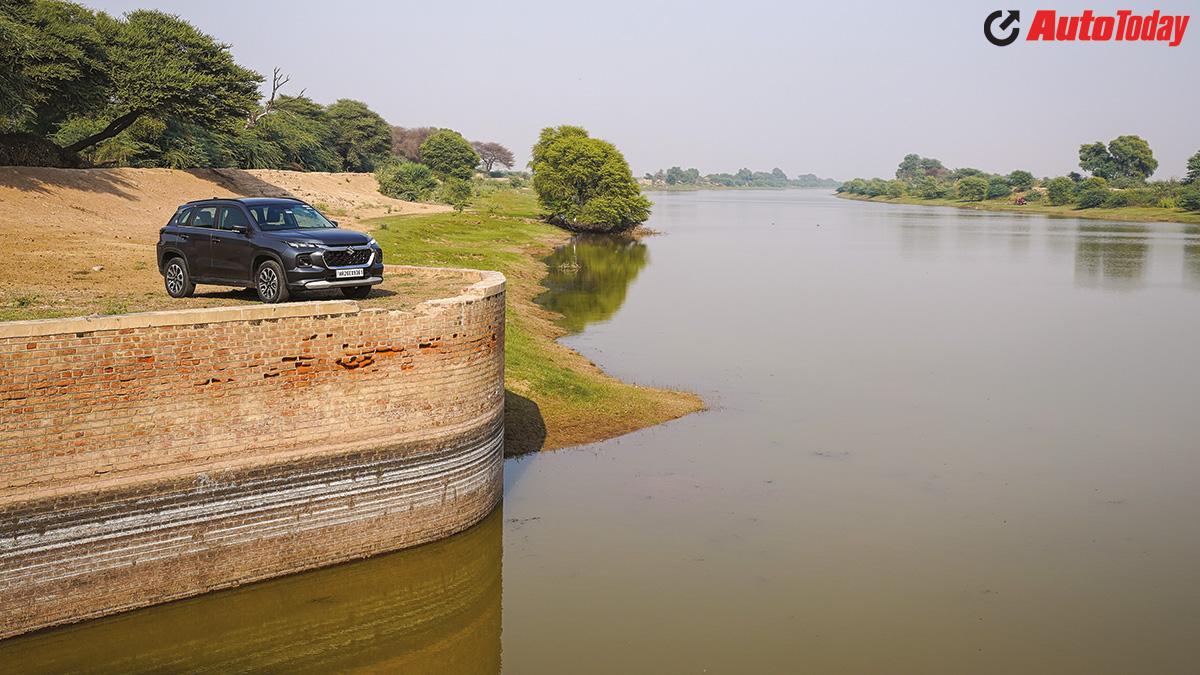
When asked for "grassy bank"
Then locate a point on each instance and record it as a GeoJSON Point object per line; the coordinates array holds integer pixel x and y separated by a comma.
{"type": "Point", "coordinates": [555, 396]}
{"type": "Point", "coordinates": [1139, 214]}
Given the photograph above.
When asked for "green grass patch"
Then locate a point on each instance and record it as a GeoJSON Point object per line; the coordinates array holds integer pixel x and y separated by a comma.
{"type": "Point", "coordinates": [570, 400]}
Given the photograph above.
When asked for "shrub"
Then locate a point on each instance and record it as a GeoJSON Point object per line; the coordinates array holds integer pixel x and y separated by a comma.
{"type": "Point", "coordinates": [1060, 190]}
{"type": "Point", "coordinates": [998, 187]}
{"type": "Point", "coordinates": [1116, 199]}
{"type": "Point", "coordinates": [1092, 196]}
{"type": "Point", "coordinates": [1033, 196]}
{"type": "Point", "coordinates": [457, 192]}
{"type": "Point", "coordinates": [405, 180]}
{"type": "Point", "coordinates": [929, 187]}
{"type": "Point", "coordinates": [972, 188]}
{"type": "Point", "coordinates": [1190, 199]}
{"type": "Point", "coordinates": [1140, 197]}
{"type": "Point", "coordinates": [895, 189]}
{"type": "Point", "coordinates": [516, 181]}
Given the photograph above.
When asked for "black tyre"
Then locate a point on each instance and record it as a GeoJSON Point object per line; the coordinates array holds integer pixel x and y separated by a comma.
{"type": "Point", "coordinates": [177, 280]}
{"type": "Point", "coordinates": [270, 282]}
{"type": "Point", "coordinates": [356, 292]}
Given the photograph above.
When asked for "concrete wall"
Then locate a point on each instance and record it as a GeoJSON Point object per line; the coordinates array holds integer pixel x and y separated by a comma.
{"type": "Point", "coordinates": [148, 457]}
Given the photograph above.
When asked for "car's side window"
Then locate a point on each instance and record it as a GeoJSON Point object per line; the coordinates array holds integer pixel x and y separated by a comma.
{"type": "Point", "coordinates": [181, 216]}
{"type": "Point", "coordinates": [204, 217]}
{"type": "Point", "coordinates": [232, 216]}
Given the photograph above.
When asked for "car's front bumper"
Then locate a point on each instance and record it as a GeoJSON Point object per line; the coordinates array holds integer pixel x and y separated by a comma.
{"type": "Point", "coordinates": [318, 284]}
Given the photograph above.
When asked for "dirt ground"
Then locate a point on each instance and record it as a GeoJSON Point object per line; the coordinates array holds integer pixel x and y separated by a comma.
{"type": "Point", "coordinates": [81, 241]}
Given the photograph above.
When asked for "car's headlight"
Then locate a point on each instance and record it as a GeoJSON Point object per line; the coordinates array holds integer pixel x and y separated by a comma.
{"type": "Point", "coordinates": [373, 243]}
{"type": "Point", "coordinates": [302, 245]}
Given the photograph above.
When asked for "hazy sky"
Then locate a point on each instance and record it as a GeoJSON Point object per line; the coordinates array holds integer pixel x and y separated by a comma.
{"type": "Point", "coordinates": [841, 89]}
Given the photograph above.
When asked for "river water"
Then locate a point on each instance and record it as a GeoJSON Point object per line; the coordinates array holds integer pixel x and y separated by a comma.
{"type": "Point", "coordinates": [939, 440]}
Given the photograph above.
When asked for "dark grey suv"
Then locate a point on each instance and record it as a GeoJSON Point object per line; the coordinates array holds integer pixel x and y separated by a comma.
{"type": "Point", "coordinates": [275, 245]}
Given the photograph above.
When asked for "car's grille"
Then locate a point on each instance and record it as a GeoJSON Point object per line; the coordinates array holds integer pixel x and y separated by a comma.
{"type": "Point", "coordinates": [358, 256]}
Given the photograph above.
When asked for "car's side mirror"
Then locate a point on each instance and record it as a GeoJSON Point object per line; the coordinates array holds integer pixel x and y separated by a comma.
{"type": "Point", "coordinates": [334, 223]}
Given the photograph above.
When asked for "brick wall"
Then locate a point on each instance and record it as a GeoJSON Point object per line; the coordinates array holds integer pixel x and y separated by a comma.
{"type": "Point", "coordinates": [153, 456]}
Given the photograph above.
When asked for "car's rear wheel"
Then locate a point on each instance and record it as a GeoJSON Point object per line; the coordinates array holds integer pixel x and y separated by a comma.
{"type": "Point", "coordinates": [270, 282]}
{"type": "Point", "coordinates": [177, 280]}
{"type": "Point", "coordinates": [356, 292]}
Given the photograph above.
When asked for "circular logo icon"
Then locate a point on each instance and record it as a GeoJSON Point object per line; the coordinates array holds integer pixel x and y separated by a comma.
{"type": "Point", "coordinates": [989, 27]}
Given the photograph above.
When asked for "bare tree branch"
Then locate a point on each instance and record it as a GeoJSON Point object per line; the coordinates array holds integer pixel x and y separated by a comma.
{"type": "Point", "coordinates": [278, 79]}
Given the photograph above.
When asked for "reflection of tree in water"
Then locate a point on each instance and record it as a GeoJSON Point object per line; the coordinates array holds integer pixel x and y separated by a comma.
{"type": "Point", "coordinates": [430, 609]}
{"type": "Point", "coordinates": [1191, 256]}
{"type": "Point", "coordinates": [1113, 253]}
{"type": "Point", "coordinates": [589, 276]}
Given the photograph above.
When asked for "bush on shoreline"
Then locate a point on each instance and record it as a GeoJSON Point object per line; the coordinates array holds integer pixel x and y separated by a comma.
{"type": "Point", "coordinates": [1120, 172]}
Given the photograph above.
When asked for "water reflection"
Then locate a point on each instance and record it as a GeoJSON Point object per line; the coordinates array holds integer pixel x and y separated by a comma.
{"type": "Point", "coordinates": [589, 277]}
{"type": "Point", "coordinates": [1111, 255]}
{"type": "Point", "coordinates": [431, 609]}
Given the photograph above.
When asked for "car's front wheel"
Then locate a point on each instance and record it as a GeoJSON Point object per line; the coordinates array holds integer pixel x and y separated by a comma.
{"type": "Point", "coordinates": [270, 282]}
{"type": "Point", "coordinates": [356, 292]}
{"type": "Point", "coordinates": [177, 280]}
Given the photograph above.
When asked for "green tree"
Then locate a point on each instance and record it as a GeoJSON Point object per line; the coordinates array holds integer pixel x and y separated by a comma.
{"type": "Point", "coordinates": [585, 183]}
{"type": "Point", "coordinates": [1060, 190]}
{"type": "Point", "coordinates": [1125, 157]}
{"type": "Point", "coordinates": [929, 187]}
{"type": "Point", "coordinates": [895, 189]}
{"type": "Point", "coordinates": [1132, 157]}
{"type": "Point", "coordinates": [161, 66]}
{"type": "Point", "coordinates": [299, 136]}
{"type": "Point", "coordinates": [1190, 198]}
{"type": "Point", "coordinates": [449, 155]}
{"type": "Point", "coordinates": [1193, 170]}
{"type": "Point", "coordinates": [405, 180]}
{"type": "Point", "coordinates": [1021, 181]}
{"type": "Point", "coordinates": [361, 138]}
{"type": "Point", "coordinates": [53, 64]}
{"type": "Point", "coordinates": [998, 187]}
{"type": "Point", "coordinates": [972, 188]}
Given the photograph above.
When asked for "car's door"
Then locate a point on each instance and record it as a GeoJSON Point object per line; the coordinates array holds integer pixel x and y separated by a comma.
{"type": "Point", "coordinates": [232, 253]}
{"type": "Point", "coordinates": [196, 236]}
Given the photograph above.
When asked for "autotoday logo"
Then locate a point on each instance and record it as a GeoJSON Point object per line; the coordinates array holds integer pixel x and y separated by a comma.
{"type": "Point", "coordinates": [1003, 27]}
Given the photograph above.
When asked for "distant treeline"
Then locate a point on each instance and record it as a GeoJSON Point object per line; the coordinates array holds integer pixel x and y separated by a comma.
{"type": "Point", "coordinates": [83, 88]}
{"type": "Point", "coordinates": [1120, 173]}
{"type": "Point", "coordinates": [744, 178]}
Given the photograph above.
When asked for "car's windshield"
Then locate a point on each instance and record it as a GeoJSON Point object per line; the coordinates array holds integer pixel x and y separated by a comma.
{"type": "Point", "coordinates": [288, 217]}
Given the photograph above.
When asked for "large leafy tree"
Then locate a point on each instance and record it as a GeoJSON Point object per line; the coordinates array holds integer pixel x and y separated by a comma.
{"type": "Point", "coordinates": [361, 137]}
{"type": "Point", "coordinates": [53, 63]}
{"type": "Point", "coordinates": [301, 134]}
{"type": "Point", "coordinates": [585, 183]}
{"type": "Point", "coordinates": [449, 155]}
{"type": "Point", "coordinates": [161, 66]}
{"type": "Point", "coordinates": [1127, 157]}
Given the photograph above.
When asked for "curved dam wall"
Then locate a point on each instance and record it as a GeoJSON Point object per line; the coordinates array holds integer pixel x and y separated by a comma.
{"type": "Point", "coordinates": [149, 457]}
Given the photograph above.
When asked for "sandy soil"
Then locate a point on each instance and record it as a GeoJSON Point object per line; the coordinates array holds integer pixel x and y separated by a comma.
{"type": "Point", "coordinates": [84, 238]}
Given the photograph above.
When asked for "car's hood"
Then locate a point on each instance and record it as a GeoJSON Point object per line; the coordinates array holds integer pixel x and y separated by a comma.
{"type": "Point", "coordinates": [330, 236]}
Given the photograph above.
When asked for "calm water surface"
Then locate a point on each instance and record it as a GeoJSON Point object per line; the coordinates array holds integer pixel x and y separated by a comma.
{"type": "Point", "coordinates": [940, 441]}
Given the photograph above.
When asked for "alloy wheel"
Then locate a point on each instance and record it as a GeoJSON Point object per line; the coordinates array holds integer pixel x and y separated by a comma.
{"type": "Point", "coordinates": [268, 283]}
{"type": "Point", "coordinates": [175, 278]}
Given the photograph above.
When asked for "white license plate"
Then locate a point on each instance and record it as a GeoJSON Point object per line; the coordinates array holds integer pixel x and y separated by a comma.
{"type": "Point", "coordinates": [349, 274]}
